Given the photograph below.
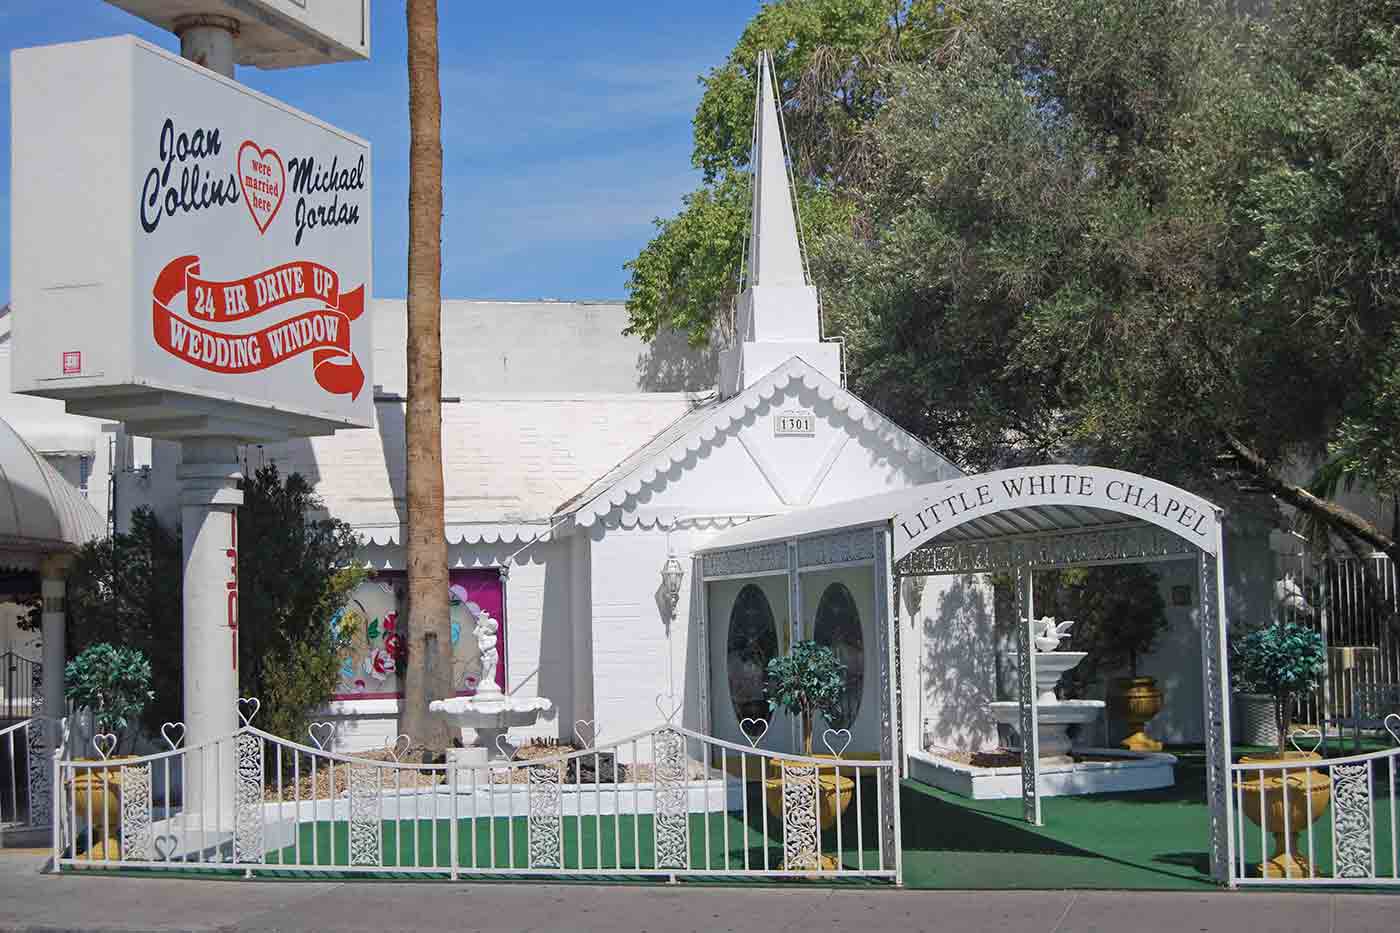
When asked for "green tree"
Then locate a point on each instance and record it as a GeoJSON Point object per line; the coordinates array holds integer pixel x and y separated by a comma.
{"type": "Point", "coordinates": [125, 590]}
{"type": "Point", "coordinates": [806, 681]}
{"type": "Point", "coordinates": [829, 58]}
{"type": "Point", "coordinates": [295, 573]}
{"type": "Point", "coordinates": [114, 683]}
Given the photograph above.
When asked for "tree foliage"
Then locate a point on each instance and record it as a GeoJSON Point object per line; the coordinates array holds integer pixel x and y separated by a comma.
{"type": "Point", "coordinates": [806, 681]}
{"type": "Point", "coordinates": [111, 681]}
{"type": "Point", "coordinates": [1118, 614]}
{"type": "Point", "coordinates": [1150, 234]}
{"type": "Point", "coordinates": [1282, 660]}
{"type": "Point", "coordinates": [829, 57]}
{"type": "Point", "coordinates": [295, 572]}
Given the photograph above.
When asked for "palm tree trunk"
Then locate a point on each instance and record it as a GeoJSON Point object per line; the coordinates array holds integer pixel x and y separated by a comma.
{"type": "Point", "coordinates": [428, 672]}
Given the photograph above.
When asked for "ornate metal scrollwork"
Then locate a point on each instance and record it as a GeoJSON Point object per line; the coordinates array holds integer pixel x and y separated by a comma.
{"type": "Point", "coordinates": [1351, 819]}
{"type": "Point", "coordinates": [136, 812]}
{"type": "Point", "coordinates": [544, 819]}
{"type": "Point", "coordinates": [840, 548]}
{"type": "Point", "coordinates": [363, 784]}
{"type": "Point", "coordinates": [761, 558]}
{"type": "Point", "coordinates": [248, 842]}
{"type": "Point", "coordinates": [801, 830]}
{"type": "Point", "coordinates": [40, 765]}
{"type": "Point", "coordinates": [1217, 755]}
{"type": "Point", "coordinates": [672, 816]}
{"type": "Point", "coordinates": [1063, 549]}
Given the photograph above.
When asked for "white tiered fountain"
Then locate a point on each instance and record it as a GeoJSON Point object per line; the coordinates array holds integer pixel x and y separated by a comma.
{"type": "Point", "coordinates": [492, 712]}
{"type": "Point", "coordinates": [1054, 715]}
{"type": "Point", "coordinates": [996, 774]}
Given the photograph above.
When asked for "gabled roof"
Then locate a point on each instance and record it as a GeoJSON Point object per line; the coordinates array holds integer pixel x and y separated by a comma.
{"type": "Point", "coordinates": [690, 433]}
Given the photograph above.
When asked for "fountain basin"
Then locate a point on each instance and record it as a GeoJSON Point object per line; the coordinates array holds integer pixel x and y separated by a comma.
{"type": "Point", "coordinates": [1108, 770]}
{"type": "Point", "coordinates": [1054, 718]}
{"type": "Point", "coordinates": [491, 715]}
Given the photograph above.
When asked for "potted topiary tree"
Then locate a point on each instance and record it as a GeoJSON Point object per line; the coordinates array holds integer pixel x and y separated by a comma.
{"type": "Point", "coordinates": [1282, 660]}
{"type": "Point", "coordinates": [1121, 614]}
{"type": "Point", "coordinates": [114, 684]}
{"type": "Point", "coordinates": [807, 681]}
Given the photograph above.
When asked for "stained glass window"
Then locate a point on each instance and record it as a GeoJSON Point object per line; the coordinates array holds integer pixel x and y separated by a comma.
{"type": "Point", "coordinates": [838, 628]}
{"type": "Point", "coordinates": [753, 641]}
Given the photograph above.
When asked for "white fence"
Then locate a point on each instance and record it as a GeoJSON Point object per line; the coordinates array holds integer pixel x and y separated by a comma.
{"type": "Point", "coordinates": [1318, 822]}
{"type": "Point", "coordinates": [669, 802]}
{"type": "Point", "coordinates": [26, 771]}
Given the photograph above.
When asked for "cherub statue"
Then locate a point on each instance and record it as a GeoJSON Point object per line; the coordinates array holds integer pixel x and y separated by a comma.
{"type": "Point", "coordinates": [1049, 634]}
{"type": "Point", "coordinates": [485, 632]}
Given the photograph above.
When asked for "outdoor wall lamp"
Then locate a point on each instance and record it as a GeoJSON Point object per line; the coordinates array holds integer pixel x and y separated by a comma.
{"type": "Point", "coordinates": [672, 573]}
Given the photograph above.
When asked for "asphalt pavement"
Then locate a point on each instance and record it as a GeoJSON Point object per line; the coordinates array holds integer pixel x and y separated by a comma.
{"type": "Point", "coordinates": [33, 900]}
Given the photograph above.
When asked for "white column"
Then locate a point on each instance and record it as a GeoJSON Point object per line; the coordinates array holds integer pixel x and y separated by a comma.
{"type": "Point", "coordinates": [209, 498]}
{"type": "Point", "coordinates": [208, 40]}
{"type": "Point", "coordinates": [52, 574]}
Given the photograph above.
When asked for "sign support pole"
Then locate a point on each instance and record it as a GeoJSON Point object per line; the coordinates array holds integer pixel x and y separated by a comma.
{"type": "Point", "coordinates": [208, 39]}
{"type": "Point", "coordinates": [209, 500]}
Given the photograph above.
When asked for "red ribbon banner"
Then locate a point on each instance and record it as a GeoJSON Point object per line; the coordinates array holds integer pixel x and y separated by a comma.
{"type": "Point", "coordinates": [323, 331]}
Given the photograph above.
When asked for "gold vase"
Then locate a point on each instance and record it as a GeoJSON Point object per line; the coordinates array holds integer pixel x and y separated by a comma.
{"type": "Point", "coordinates": [97, 799]}
{"type": "Point", "coordinates": [1302, 794]}
{"type": "Point", "coordinates": [1136, 700]}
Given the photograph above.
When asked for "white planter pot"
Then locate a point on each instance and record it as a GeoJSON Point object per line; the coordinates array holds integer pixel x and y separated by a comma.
{"type": "Point", "coordinates": [1256, 719]}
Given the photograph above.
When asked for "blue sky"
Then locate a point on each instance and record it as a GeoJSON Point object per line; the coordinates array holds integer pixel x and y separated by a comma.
{"type": "Point", "coordinates": [566, 128]}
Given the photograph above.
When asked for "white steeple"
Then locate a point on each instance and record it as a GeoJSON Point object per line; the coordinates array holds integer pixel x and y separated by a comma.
{"type": "Point", "coordinates": [777, 310]}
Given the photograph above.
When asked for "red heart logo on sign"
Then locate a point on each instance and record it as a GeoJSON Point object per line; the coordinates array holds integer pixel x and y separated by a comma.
{"type": "Point", "coordinates": [263, 178]}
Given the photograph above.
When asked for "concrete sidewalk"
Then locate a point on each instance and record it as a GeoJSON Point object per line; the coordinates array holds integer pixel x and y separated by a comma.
{"type": "Point", "coordinates": [30, 900]}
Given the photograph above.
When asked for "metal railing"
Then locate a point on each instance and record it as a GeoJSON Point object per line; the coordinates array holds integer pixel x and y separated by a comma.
{"type": "Point", "coordinates": [19, 685]}
{"type": "Point", "coordinates": [669, 802]}
{"type": "Point", "coordinates": [1312, 821]}
{"type": "Point", "coordinates": [26, 773]}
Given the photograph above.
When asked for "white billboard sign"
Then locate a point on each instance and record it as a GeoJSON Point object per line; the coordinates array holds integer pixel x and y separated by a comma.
{"type": "Point", "coordinates": [188, 255]}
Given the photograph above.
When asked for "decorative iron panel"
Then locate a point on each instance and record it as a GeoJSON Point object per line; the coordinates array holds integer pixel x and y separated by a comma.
{"type": "Point", "coordinates": [136, 812]}
{"type": "Point", "coordinates": [545, 821]}
{"type": "Point", "coordinates": [841, 548]}
{"type": "Point", "coordinates": [363, 785]}
{"type": "Point", "coordinates": [1063, 549]}
{"type": "Point", "coordinates": [248, 844]}
{"type": "Point", "coordinates": [890, 721]}
{"type": "Point", "coordinates": [761, 558]}
{"type": "Point", "coordinates": [801, 831]}
{"type": "Point", "coordinates": [1351, 821]}
{"type": "Point", "coordinates": [40, 763]}
{"type": "Point", "coordinates": [1030, 731]}
{"type": "Point", "coordinates": [672, 817]}
{"type": "Point", "coordinates": [1217, 752]}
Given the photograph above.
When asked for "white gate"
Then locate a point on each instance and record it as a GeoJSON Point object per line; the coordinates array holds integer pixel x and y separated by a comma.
{"type": "Point", "coordinates": [669, 802]}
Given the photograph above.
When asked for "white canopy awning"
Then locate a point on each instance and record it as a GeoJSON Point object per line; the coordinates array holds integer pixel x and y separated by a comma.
{"type": "Point", "coordinates": [1008, 504]}
{"type": "Point", "coordinates": [40, 510]}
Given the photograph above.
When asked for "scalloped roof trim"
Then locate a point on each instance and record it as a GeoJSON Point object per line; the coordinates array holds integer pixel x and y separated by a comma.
{"type": "Point", "coordinates": [725, 415]}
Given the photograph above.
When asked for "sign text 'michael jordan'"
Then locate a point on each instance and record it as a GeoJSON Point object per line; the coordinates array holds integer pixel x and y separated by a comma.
{"type": "Point", "coordinates": [1064, 485]}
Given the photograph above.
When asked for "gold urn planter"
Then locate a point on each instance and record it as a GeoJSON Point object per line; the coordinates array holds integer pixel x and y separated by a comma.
{"type": "Point", "coordinates": [97, 798]}
{"type": "Point", "coordinates": [834, 793]}
{"type": "Point", "coordinates": [1136, 700]}
{"type": "Point", "coordinates": [1300, 794]}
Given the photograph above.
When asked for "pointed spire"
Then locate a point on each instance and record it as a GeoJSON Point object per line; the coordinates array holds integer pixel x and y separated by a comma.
{"type": "Point", "coordinates": [775, 256]}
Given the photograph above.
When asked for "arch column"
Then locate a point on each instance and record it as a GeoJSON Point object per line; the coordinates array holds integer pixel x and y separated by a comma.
{"type": "Point", "coordinates": [53, 582]}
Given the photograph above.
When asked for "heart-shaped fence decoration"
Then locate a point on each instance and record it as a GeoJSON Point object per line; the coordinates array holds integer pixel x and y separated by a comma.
{"type": "Point", "coordinates": [105, 743]}
{"type": "Point", "coordinates": [165, 846]}
{"type": "Point", "coordinates": [398, 747]}
{"type": "Point", "coordinates": [173, 733]}
{"type": "Point", "coordinates": [589, 726]}
{"type": "Point", "coordinates": [318, 729]}
{"type": "Point", "coordinates": [669, 708]}
{"type": "Point", "coordinates": [830, 734]}
{"type": "Point", "coordinates": [252, 705]}
{"type": "Point", "coordinates": [1392, 725]}
{"type": "Point", "coordinates": [507, 750]}
{"type": "Point", "coordinates": [754, 736]}
{"type": "Point", "coordinates": [1306, 740]}
{"type": "Point", "coordinates": [263, 178]}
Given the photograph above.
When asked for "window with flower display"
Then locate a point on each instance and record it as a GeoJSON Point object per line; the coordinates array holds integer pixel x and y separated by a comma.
{"type": "Point", "coordinates": [370, 668]}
